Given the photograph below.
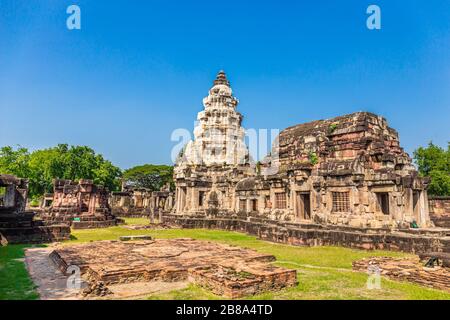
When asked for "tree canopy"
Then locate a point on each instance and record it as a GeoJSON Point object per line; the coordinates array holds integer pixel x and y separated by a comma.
{"type": "Point", "coordinates": [149, 176]}
{"type": "Point", "coordinates": [40, 167]}
{"type": "Point", "coordinates": [434, 162]}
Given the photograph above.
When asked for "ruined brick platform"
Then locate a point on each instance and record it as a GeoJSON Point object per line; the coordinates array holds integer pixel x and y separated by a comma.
{"type": "Point", "coordinates": [226, 270]}
{"type": "Point", "coordinates": [408, 269]}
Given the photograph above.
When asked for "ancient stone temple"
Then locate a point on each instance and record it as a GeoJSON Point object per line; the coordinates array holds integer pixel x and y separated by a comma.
{"type": "Point", "coordinates": [211, 165]}
{"type": "Point", "coordinates": [348, 170]}
{"type": "Point", "coordinates": [18, 225]}
{"type": "Point", "coordinates": [81, 205]}
{"type": "Point", "coordinates": [138, 202]}
{"type": "Point", "coordinates": [340, 181]}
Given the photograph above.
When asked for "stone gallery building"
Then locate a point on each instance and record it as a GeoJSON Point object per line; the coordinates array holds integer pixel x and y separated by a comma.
{"type": "Point", "coordinates": [345, 171]}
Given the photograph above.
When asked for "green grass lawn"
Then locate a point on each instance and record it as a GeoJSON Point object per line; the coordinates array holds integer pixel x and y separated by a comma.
{"type": "Point", "coordinates": [323, 272]}
{"type": "Point", "coordinates": [14, 280]}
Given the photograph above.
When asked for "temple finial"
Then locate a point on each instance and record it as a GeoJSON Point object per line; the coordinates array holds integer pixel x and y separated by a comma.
{"type": "Point", "coordinates": [221, 78]}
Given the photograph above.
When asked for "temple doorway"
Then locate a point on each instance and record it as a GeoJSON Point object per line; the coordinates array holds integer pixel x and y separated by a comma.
{"type": "Point", "coordinates": [383, 202]}
{"type": "Point", "coordinates": [303, 205]}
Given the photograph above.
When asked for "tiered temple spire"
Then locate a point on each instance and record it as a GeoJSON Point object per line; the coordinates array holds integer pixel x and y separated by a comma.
{"type": "Point", "coordinates": [218, 136]}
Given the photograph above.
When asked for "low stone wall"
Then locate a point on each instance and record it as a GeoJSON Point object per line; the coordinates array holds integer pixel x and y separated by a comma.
{"type": "Point", "coordinates": [129, 213]}
{"type": "Point", "coordinates": [314, 234]}
{"type": "Point", "coordinates": [94, 224]}
{"type": "Point", "coordinates": [83, 222]}
{"type": "Point", "coordinates": [34, 234]}
{"type": "Point", "coordinates": [440, 211]}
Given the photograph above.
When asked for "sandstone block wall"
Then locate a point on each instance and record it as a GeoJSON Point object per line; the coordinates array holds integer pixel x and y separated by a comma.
{"type": "Point", "coordinates": [316, 234]}
{"type": "Point", "coordinates": [440, 211]}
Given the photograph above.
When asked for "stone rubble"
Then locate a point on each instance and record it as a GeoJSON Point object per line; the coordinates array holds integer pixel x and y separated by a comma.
{"type": "Point", "coordinates": [407, 269]}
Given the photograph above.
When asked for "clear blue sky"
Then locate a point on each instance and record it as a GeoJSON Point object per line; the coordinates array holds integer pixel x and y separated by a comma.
{"type": "Point", "coordinates": [137, 70]}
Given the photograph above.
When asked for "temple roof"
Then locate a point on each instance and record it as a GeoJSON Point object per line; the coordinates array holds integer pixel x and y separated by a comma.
{"type": "Point", "coordinates": [358, 121]}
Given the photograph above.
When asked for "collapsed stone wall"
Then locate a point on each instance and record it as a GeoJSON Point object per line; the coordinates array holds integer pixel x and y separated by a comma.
{"type": "Point", "coordinates": [310, 234]}
{"type": "Point", "coordinates": [440, 211]}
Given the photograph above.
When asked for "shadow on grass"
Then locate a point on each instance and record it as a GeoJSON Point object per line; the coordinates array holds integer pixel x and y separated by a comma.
{"type": "Point", "coordinates": [72, 237]}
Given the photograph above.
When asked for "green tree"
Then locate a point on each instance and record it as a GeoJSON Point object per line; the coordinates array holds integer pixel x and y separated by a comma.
{"type": "Point", "coordinates": [434, 162]}
{"type": "Point", "coordinates": [149, 176]}
{"type": "Point", "coordinates": [15, 162]}
{"type": "Point", "coordinates": [60, 162]}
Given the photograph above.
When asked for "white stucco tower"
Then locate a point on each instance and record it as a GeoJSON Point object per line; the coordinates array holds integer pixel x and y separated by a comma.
{"type": "Point", "coordinates": [218, 135]}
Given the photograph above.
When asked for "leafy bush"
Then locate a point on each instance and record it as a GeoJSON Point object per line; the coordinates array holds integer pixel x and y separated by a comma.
{"type": "Point", "coordinates": [313, 159]}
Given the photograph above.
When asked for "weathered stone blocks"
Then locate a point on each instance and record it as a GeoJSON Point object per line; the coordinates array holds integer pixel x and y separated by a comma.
{"type": "Point", "coordinates": [225, 270]}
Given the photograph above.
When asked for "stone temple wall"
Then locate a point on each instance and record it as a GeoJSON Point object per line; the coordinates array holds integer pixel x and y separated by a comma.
{"type": "Point", "coordinates": [310, 234]}
{"type": "Point", "coordinates": [440, 211]}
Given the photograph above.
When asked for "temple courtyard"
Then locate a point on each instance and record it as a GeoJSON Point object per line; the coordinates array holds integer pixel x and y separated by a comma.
{"type": "Point", "coordinates": [323, 272]}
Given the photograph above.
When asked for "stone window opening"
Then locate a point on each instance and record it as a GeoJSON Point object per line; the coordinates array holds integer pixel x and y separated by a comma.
{"type": "Point", "coordinates": [341, 201]}
{"type": "Point", "coordinates": [254, 204]}
{"type": "Point", "coordinates": [201, 195]}
{"type": "Point", "coordinates": [242, 205]}
{"type": "Point", "coordinates": [383, 202]}
{"type": "Point", "coordinates": [280, 200]}
{"type": "Point", "coordinates": [267, 202]}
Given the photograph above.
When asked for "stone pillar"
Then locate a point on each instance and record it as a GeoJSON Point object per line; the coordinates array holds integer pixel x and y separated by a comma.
{"type": "Point", "coordinates": [194, 200]}
{"type": "Point", "coordinates": [10, 196]}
